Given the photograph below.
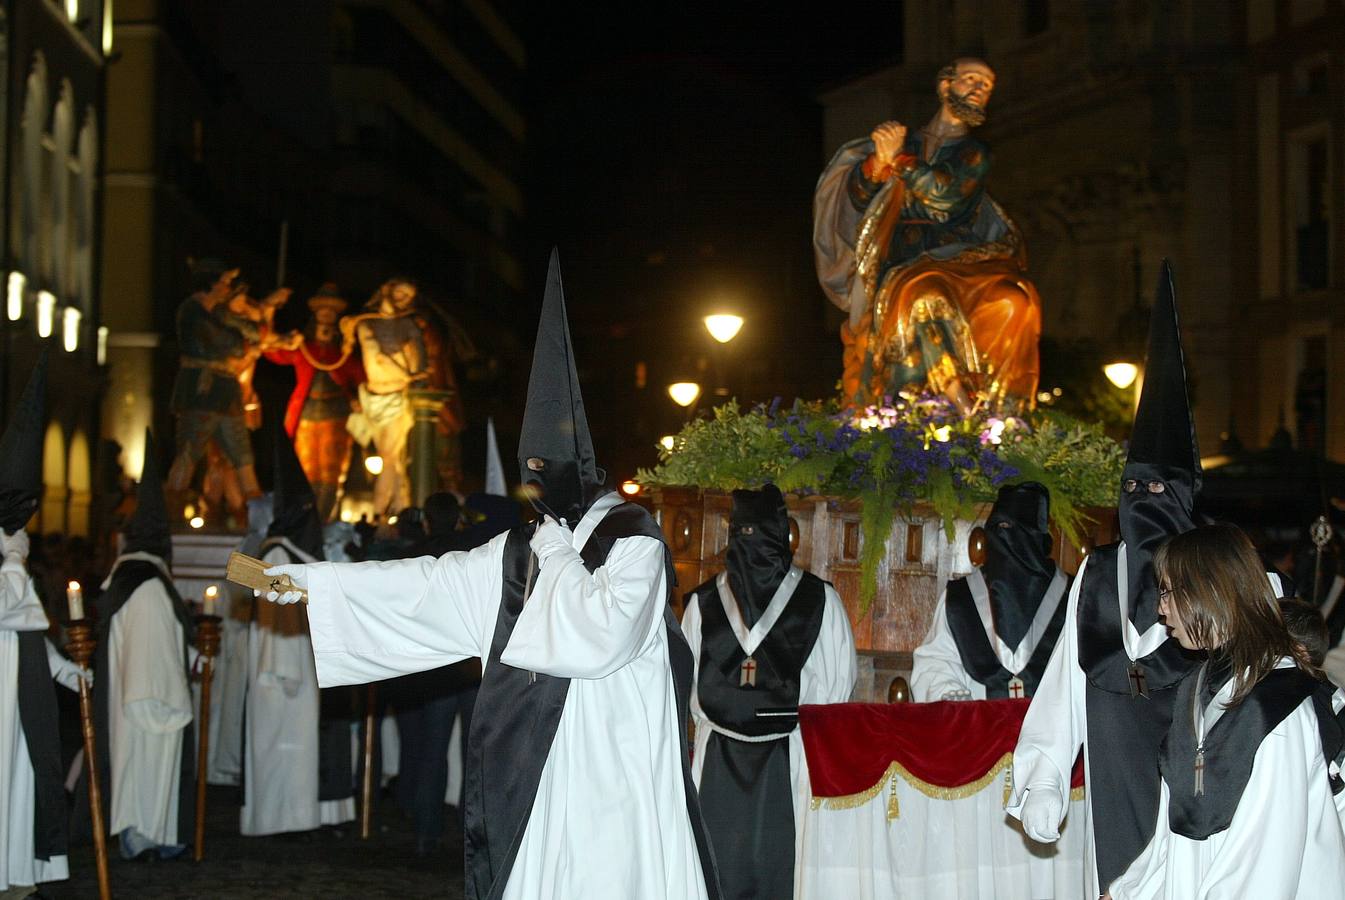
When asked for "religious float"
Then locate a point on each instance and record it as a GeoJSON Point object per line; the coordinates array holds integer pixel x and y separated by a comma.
{"type": "Point", "coordinates": [883, 500]}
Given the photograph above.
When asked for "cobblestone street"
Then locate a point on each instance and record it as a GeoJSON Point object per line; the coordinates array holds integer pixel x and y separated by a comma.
{"type": "Point", "coordinates": [316, 865]}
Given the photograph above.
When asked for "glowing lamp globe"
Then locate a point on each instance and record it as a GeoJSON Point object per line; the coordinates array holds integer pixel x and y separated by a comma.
{"type": "Point", "coordinates": [667, 442]}
{"type": "Point", "coordinates": [630, 488]}
{"type": "Point", "coordinates": [723, 327]}
{"type": "Point", "coordinates": [684, 393]}
{"type": "Point", "coordinates": [373, 464]}
{"type": "Point", "coordinates": [1121, 374]}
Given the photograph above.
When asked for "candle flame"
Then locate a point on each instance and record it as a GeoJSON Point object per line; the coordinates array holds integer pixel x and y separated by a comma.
{"type": "Point", "coordinates": [73, 586]}
{"type": "Point", "coordinates": [211, 591]}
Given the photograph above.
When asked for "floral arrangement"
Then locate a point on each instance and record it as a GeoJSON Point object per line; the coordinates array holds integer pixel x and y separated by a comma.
{"type": "Point", "coordinates": [891, 456]}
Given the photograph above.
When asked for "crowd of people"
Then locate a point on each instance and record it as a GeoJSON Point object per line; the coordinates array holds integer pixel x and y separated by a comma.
{"type": "Point", "coordinates": [1176, 662]}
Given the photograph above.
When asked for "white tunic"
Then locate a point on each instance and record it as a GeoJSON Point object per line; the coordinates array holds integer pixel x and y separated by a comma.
{"type": "Point", "coordinates": [20, 610]}
{"type": "Point", "coordinates": [1284, 843]}
{"type": "Point", "coordinates": [1022, 867]}
{"type": "Point", "coordinates": [280, 784]}
{"type": "Point", "coordinates": [229, 687]}
{"type": "Point", "coordinates": [828, 676]}
{"type": "Point", "coordinates": [149, 704]}
{"type": "Point", "coordinates": [610, 819]}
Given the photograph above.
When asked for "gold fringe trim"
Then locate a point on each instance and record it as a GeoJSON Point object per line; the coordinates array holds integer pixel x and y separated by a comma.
{"type": "Point", "coordinates": [961, 792]}
{"type": "Point", "coordinates": [934, 791]}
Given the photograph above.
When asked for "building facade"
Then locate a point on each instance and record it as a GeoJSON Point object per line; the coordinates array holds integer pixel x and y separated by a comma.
{"type": "Point", "coordinates": [53, 115]}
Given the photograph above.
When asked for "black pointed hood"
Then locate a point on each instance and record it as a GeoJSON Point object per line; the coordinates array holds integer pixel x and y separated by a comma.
{"type": "Point", "coordinates": [555, 428]}
{"type": "Point", "coordinates": [149, 531]}
{"type": "Point", "coordinates": [1018, 566]}
{"type": "Point", "coordinates": [758, 555]}
{"type": "Point", "coordinates": [1162, 472]}
{"type": "Point", "coordinates": [295, 510]}
{"type": "Point", "coordinates": [21, 451]}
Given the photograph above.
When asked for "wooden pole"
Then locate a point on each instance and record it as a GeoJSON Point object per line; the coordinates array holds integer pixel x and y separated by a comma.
{"type": "Point", "coordinates": [207, 641]}
{"type": "Point", "coordinates": [81, 645]}
{"type": "Point", "coordinates": [367, 787]}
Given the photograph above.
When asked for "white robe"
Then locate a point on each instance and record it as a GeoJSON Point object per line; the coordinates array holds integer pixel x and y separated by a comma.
{"type": "Point", "coordinates": [229, 688]}
{"type": "Point", "coordinates": [1284, 843]}
{"type": "Point", "coordinates": [149, 705]}
{"type": "Point", "coordinates": [828, 676]}
{"type": "Point", "coordinates": [610, 819]}
{"type": "Point", "coordinates": [1023, 867]}
{"type": "Point", "coordinates": [20, 610]}
{"type": "Point", "coordinates": [280, 787]}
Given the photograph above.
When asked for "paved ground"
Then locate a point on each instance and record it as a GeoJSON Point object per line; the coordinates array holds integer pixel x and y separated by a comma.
{"type": "Point", "coordinates": [320, 865]}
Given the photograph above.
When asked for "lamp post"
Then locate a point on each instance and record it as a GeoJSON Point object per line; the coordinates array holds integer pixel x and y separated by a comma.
{"type": "Point", "coordinates": [684, 393]}
{"type": "Point", "coordinates": [723, 327]}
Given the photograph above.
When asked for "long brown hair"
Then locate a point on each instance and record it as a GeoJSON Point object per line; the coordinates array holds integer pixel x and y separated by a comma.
{"type": "Point", "coordinates": [1225, 602]}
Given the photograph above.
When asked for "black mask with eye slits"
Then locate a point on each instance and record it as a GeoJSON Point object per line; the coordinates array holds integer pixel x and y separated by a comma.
{"type": "Point", "coordinates": [566, 478]}
{"type": "Point", "coordinates": [758, 555]}
{"type": "Point", "coordinates": [1018, 567]}
{"type": "Point", "coordinates": [1162, 473]}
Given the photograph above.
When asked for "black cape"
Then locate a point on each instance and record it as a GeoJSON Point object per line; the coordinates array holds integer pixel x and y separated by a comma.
{"type": "Point", "coordinates": [746, 791]}
{"type": "Point", "coordinates": [517, 714]}
{"type": "Point", "coordinates": [977, 654]}
{"type": "Point", "coordinates": [41, 730]}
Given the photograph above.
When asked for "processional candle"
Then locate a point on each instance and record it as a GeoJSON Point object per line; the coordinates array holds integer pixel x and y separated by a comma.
{"type": "Point", "coordinates": [208, 603]}
{"type": "Point", "coordinates": [74, 597]}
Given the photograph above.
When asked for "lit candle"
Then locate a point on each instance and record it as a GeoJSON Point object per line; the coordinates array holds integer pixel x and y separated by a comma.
{"type": "Point", "coordinates": [74, 596]}
{"type": "Point", "coordinates": [208, 604]}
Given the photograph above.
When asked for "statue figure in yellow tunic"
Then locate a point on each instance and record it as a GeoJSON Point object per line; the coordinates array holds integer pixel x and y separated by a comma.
{"type": "Point", "coordinates": [929, 268]}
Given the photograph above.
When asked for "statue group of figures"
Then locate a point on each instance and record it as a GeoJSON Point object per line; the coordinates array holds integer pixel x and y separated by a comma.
{"type": "Point", "coordinates": [354, 377]}
{"type": "Point", "coordinates": [929, 269]}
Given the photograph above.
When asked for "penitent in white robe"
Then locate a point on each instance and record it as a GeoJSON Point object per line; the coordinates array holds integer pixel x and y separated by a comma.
{"type": "Point", "coordinates": [149, 705]}
{"type": "Point", "coordinates": [610, 819]}
{"type": "Point", "coordinates": [229, 689]}
{"type": "Point", "coordinates": [828, 676]}
{"type": "Point", "coordinates": [280, 783]}
{"type": "Point", "coordinates": [1022, 867]}
{"type": "Point", "coordinates": [1056, 725]}
{"type": "Point", "coordinates": [1284, 843]}
{"type": "Point", "coordinates": [20, 610]}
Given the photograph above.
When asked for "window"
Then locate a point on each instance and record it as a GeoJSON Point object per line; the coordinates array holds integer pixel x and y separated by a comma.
{"type": "Point", "coordinates": [1310, 185]}
{"type": "Point", "coordinates": [1310, 396]}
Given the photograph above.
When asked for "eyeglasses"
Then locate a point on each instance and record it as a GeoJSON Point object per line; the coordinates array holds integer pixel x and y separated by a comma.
{"type": "Point", "coordinates": [1131, 485]}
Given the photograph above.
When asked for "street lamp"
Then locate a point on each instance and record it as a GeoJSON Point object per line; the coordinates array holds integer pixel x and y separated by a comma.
{"type": "Point", "coordinates": [684, 393]}
{"type": "Point", "coordinates": [723, 327]}
{"type": "Point", "coordinates": [1121, 374]}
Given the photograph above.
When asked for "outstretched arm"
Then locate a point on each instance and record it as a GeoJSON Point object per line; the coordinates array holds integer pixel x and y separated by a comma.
{"type": "Point", "coordinates": [376, 620]}
{"type": "Point", "coordinates": [581, 625]}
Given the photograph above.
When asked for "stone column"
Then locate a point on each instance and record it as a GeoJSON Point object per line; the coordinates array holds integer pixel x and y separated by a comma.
{"type": "Point", "coordinates": [424, 434]}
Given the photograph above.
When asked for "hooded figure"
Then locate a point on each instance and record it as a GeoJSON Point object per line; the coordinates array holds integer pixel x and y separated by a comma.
{"type": "Point", "coordinates": [143, 703]}
{"type": "Point", "coordinates": [555, 451]}
{"type": "Point", "coordinates": [297, 772]}
{"type": "Point", "coordinates": [995, 629]}
{"type": "Point", "coordinates": [1113, 684]}
{"type": "Point", "coordinates": [33, 813]}
{"type": "Point", "coordinates": [766, 635]}
{"type": "Point", "coordinates": [21, 453]}
{"type": "Point", "coordinates": [554, 805]}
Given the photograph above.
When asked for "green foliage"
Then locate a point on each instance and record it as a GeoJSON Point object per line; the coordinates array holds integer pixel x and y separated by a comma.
{"type": "Point", "coordinates": [916, 449]}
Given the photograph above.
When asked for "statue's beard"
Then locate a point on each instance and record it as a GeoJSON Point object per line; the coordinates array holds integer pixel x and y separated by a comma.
{"type": "Point", "coordinates": [966, 111]}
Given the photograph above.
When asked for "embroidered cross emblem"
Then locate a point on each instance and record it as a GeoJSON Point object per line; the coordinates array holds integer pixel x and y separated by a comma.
{"type": "Point", "coordinates": [1139, 687]}
{"type": "Point", "coordinates": [1017, 690]}
{"type": "Point", "coordinates": [747, 673]}
{"type": "Point", "coordinates": [1200, 773]}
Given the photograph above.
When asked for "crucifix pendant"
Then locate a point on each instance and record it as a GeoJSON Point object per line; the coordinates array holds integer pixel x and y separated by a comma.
{"type": "Point", "coordinates": [747, 673]}
{"type": "Point", "coordinates": [1017, 690]}
{"type": "Point", "coordinates": [1138, 686]}
{"type": "Point", "coordinates": [1200, 771]}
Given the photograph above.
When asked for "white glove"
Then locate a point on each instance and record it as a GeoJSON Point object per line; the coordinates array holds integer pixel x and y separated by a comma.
{"type": "Point", "coordinates": [960, 694]}
{"type": "Point", "coordinates": [1042, 811]}
{"type": "Point", "coordinates": [64, 670]}
{"type": "Point", "coordinates": [14, 546]}
{"type": "Point", "coordinates": [298, 574]}
{"type": "Point", "coordinates": [551, 538]}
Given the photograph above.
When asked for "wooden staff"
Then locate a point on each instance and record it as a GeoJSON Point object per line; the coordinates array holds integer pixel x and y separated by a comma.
{"type": "Point", "coordinates": [207, 642]}
{"type": "Point", "coordinates": [367, 787]}
{"type": "Point", "coordinates": [81, 645]}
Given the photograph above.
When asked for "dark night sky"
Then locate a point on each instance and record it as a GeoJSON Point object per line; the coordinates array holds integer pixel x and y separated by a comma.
{"type": "Point", "coordinates": [672, 160]}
